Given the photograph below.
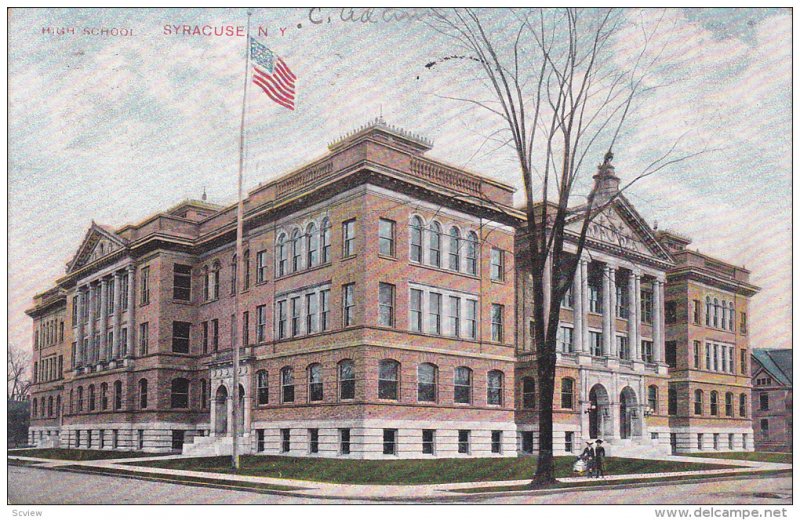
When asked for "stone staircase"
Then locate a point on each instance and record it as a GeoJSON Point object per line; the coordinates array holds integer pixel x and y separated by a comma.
{"type": "Point", "coordinates": [637, 448]}
{"type": "Point", "coordinates": [214, 446]}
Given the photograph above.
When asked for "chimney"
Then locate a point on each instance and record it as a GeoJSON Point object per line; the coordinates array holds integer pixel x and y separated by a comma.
{"type": "Point", "coordinates": [606, 184]}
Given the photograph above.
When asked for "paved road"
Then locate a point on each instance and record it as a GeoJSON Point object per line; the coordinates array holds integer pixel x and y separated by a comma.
{"type": "Point", "coordinates": [29, 485]}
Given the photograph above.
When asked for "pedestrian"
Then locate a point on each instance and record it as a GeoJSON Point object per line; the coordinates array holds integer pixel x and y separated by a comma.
{"type": "Point", "coordinates": [599, 459]}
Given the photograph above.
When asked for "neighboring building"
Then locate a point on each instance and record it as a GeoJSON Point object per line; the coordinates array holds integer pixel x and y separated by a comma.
{"type": "Point", "coordinates": [771, 371]}
{"type": "Point", "coordinates": [385, 312]}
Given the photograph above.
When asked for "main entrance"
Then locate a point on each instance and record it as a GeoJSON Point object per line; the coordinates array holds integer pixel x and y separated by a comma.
{"type": "Point", "coordinates": [598, 411]}
{"type": "Point", "coordinates": [627, 413]}
{"type": "Point", "coordinates": [221, 423]}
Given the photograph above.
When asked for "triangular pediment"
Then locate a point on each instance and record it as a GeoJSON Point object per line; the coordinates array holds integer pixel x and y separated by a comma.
{"type": "Point", "coordinates": [97, 243]}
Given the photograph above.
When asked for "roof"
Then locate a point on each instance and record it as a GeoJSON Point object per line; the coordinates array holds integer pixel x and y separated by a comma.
{"type": "Point", "coordinates": [777, 362]}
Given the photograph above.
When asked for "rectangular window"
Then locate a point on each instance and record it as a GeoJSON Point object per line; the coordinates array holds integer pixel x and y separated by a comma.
{"type": "Point", "coordinates": [282, 319]}
{"type": "Point", "coordinates": [743, 361]}
{"type": "Point", "coordinates": [472, 319]}
{"type": "Point", "coordinates": [181, 282]}
{"type": "Point", "coordinates": [386, 237]}
{"type": "Point", "coordinates": [145, 286]}
{"type": "Point", "coordinates": [260, 440]}
{"type": "Point", "coordinates": [435, 313]}
{"type": "Point", "coordinates": [743, 323]}
{"type": "Point", "coordinates": [311, 313]}
{"type": "Point", "coordinates": [348, 304]}
{"type": "Point", "coordinates": [463, 441]}
{"type": "Point", "coordinates": [647, 351]}
{"type": "Point", "coordinates": [497, 322]}
{"type": "Point", "coordinates": [708, 356]}
{"type": "Point", "coordinates": [261, 267]}
{"type": "Point", "coordinates": [416, 310]}
{"type": "Point", "coordinates": [716, 357]}
{"type": "Point", "coordinates": [670, 312]}
{"type": "Point", "coordinates": [700, 441]}
{"type": "Point", "coordinates": [565, 339]}
{"type": "Point", "coordinates": [325, 309]}
{"type": "Point", "coordinates": [386, 304]}
{"type": "Point", "coordinates": [428, 442]}
{"type": "Point", "coordinates": [622, 301]}
{"type": "Point", "coordinates": [567, 301]}
{"type": "Point", "coordinates": [697, 354]}
{"type": "Point", "coordinates": [180, 336]}
{"type": "Point", "coordinates": [696, 312]}
{"type": "Point", "coordinates": [261, 323]}
{"type": "Point", "coordinates": [123, 297]}
{"type": "Point", "coordinates": [497, 441]}
{"type": "Point", "coordinates": [75, 311]}
{"type": "Point", "coordinates": [497, 260]}
{"type": "Point", "coordinates": [286, 440]}
{"type": "Point", "coordinates": [344, 441]}
{"type": "Point", "coordinates": [455, 316]}
{"type": "Point", "coordinates": [596, 343]}
{"type": "Point", "coordinates": [569, 441]}
{"type": "Point", "coordinates": [204, 326]}
{"type": "Point", "coordinates": [295, 302]}
{"type": "Point", "coordinates": [671, 353]}
{"type": "Point", "coordinates": [595, 298]}
{"type": "Point", "coordinates": [763, 401]}
{"type": "Point", "coordinates": [527, 442]}
{"type": "Point", "coordinates": [144, 338]}
{"type": "Point", "coordinates": [647, 306]}
{"type": "Point", "coordinates": [715, 439]}
{"type": "Point", "coordinates": [349, 238]}
{"type": "Point", "coordinates": [389, 442]}
{"type": "Point", "coordinates": [215, 334]}
{"type": "Point", "coordinates": [313, 440]}
{"type": "Point", "coordinates": [731, 358]}
{"type": "Point", "coordinates": [764, 424]}
{"type": "Point", "coordinates": [623, 347]}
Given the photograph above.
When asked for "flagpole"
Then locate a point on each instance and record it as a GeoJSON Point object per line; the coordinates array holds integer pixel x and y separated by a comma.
{"type": "Point", "coordinates": [239, 232]}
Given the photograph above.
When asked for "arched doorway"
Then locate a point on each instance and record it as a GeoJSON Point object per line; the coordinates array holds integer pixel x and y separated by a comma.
{"type": "Point", "coordinates": [221, 412]}
{"type": "Point", "coordinates": [628, 410]}
{"type": "Point", "coordinates": [598, 411]}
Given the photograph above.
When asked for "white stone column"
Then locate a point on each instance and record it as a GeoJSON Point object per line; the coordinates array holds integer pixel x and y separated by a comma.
{"type": "Point", "coordinates": [638, 305]}
{"type": "Point", "coordinates": [577, 307]}
{"type": "Point", "coordinates": [131, 310]}
{"type": "Point", "coordinates": [116, 347]}
{"type": "Point", "coordinates": [633, 319]}
{"type": "Point", "coordinates": [612, 296]}
{"type": "Point", "coordinates": [103, 348]}
{"type": "Point", "coordinates": [658, 319]}
{"type": "Point", "coordinates": [608, 311]}
{"type": "Point", "coordinates": [90, 354]}
{"type": "Point", "coordinates": [80, 355]}
{"type": "Point", "coordinates": [584, 290]}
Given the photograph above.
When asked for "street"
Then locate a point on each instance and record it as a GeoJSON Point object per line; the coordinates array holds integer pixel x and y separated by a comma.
{"type": "Point", "coordinates": [29, 485]}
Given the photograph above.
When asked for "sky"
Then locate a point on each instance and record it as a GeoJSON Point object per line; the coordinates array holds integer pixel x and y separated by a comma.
{"type": "Point", "coordinates": [116, 127]}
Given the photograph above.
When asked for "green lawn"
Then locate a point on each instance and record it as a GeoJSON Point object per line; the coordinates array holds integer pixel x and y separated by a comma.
{"type": "Point", "coordinates": [69, 454]}
{"type": "Point", "coordinates": [760, 456]}
{"type": "Point", "coordinates": [431, 471]}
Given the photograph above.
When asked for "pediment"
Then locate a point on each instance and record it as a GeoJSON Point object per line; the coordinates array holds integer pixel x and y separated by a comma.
{"type": "Point", "coordinates": [97, 243]}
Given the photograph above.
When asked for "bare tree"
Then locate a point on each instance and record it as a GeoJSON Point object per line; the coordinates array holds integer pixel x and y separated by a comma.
{"type": "Point", "coordinates": [558, 95]}
{"type": "Point", "coordinates": [18, 384]}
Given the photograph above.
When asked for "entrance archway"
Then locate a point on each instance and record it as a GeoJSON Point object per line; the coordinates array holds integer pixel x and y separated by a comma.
{"type": "Point", "coordinates": [221, 402]}
{"type": "Point", "coordinates": [241, 410]}
{"type": "Point", "coordinates": [628, 413]}
{"type": "Point", "coordinates": [598, 411]}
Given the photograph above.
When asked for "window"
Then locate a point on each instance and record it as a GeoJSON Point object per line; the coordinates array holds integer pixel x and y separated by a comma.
{"type": "Point", "coordinates": [764, 427]}
{"type": "Point", "coordinates": [463, 441]}
{"type": "Point", "coordinates": [297, 251]}
{"type": "Point", "coordinates": [388, 371]}
{"type": "Point", "coordinates": [565, 339]}
{"type": "Point", "coordinates": [595, 297]}
{"type": "Point", "coordinates": [215, 280]}
{"type": "Point", "coordinates": [313, 440]}
{"type": "Point", "coordinates": [454, 255]}
{"type": "Point", "coordinates": [35, 408]}
{"type": "Point", "coordinates": [647, 351]}
{"type": "Point", "coordinates": [145, 286]}
{"type": "Point", "coordinates": [497, 264]}
{"type": "Point", "coordinates": [567, 393]}
{"type": "Point", "coordinates": [281, 254]}
{"type": "Point", "coordinates": [347, 380]}
{"type": "Point", "coordinates": [260, 440]}
{"type": "Point", "coordinates": [729, 404]}
{"type": "Point", "coordinates": [527, 442]}
{"type": "Point", "coordinates": [708, 356]}
{"type": "Point", "coordinates": [325, 235]}
{"type": "Point", "coordinates": [344, 441]}
{"type": "Point", "coordinates": [261, 265]}
{"type": "Point", "coordinates": [528, 393]}
{"type": "Point", "coordinates": [281, 319]}
{"type": "Point", "coordinates": [286, 440]}
{"type": "Point", "coordinates": [261, 323]}
{"type": "Point", "coordinates": [311, 313]}
{"type": "Point", "coordinates": [715, 438]}
{"type": "Point", "coordinates": [497, 322]}
{"type": "Point", "coordinates": [708, 311]}
{"type": "Point", "coordinates": [716, 312]}
{"type": "Point", "coordinates": [697, 354]}
{"type": "Point", "coordinates": [426, 382]}
{"type": "Point", "coordinates": [287, 385]}
{"type": "Point", "coordinates": [472, 253]}
{"type": "Point", "coordinates": [180, 336]}
{"type": "Point", "coordinates": [742, 405]}
{"type": "Point", "coordinates": [386, 237]}
{"type": "Point", "coordinates": [671, 353]}
{"type": "Point", "coordinates": [386, 304]}
{"type": "Point", "coordinates": [262, 388]}
{"type": "Point", "coordinates": [696, 312]}
{"type": "Point", "coordinates": [75, 311]}
{"type": "Point", "coordinates": [140, 438]}
{"type": "Point", "coordinates": [670, 312]}
{"type": "Point", "coordinates": [724, 315]}
{"type": "Point", "coordinates": [312, 245]}
{"type": "Point", "coordinates": [233, 331]}
{"type": "Point", "coordinates": [763, 401]}
{"type": "Point", "coordinates": [454, 307]}
{"type": "Point", "coordinates": [494, 388]}
{"type": "Point", "coordinates": [698, 402]}
{"type": "Point", "coordinates": [179, 396]}
{"type": "Point", "coordinates": [103, 397]}
{"type": "Point", "coordinates": [204, 327]}
{"type": "Point", "coordinates": [647, 306]}
{"type": "Point", "coordinates": [91, 400]}
{"type": "Point", "coordinates": [652, 398]}
{"type": "Point", "coordinates": [596, 343]}
{"type": "Point", "coordinates": [716, 357]}
{"type": "Point", "coordinates": [714, 403]}
{"type": "Point", "coordinates": [567, 301]}
{"type": "Point", "coordinates": [349, 238]}
{"type": "Point", "coordinates": [114, 439]}
{"type": "Point", "coordinates": [569, 441]}
{"type": "Point", "coordinates": [435, 313]}
{"type": "Point", "coordinates": [295, 302]}
{"type": "Point", "coordinates": [743, 361]}
{"type": "Point", "coordinates": [497, 441]}
{"type": "Point", "coordinates": [743, 323]}
{"type": "Point", "coordinates": [247, 269]}
{"type": "Point", "coordinates": [389, 442]}
{"type": "Point", "coordinates": [672, 401]}
{"type": "Point", "coordinates": [416, 310]}
{"type": "Point", "coordinates": [315, 382]}
{"type": "Point", "coordinates": [325, 313]}
{"type": "Point", "coordinates": [699, 441]}
{"type": "Point", "coordinates": [203, 394]}
{"type": "Point", "coordinates": [214, 334]}
{"type": "Point", "coordinates": [435, 245]}
{"type": "Point", "coordinates": [117, 395]}
{"type": "Point", "coordinates": [428, 442]}
{"type": "Point", "coordinates": [732, 314]}
{"type": "Point", "coordinates": [80, 398]}
{"type": "Point", "coordinates": [472, 319]}
{"type": "Point", "coordinates": [731, 357]}
{"type": "Point", "coordinates": [234, 270]}
{"type": "Point", "coordinates": [415, 237]}
{"type": "Point", "coordinates": [623, 347]}
{"type": "Point", "coordinates": [621, 301]}
{"type": "Point", "coordinates": [462, 385]}
{"type": "Point", "coordinates": [144, 338]}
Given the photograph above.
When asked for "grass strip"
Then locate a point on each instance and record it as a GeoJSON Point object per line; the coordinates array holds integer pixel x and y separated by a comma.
{"type": "Point", "coordinates": [755, 456]}
{"type": "Point", "coordinates": [81, 455]}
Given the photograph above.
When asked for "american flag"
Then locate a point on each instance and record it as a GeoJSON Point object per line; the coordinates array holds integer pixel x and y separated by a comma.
{"type": "Point", "coordinates": [272, 74]}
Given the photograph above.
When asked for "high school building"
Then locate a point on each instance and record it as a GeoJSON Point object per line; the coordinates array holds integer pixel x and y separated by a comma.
{"type": "Point", "coordinates": [385, 312]}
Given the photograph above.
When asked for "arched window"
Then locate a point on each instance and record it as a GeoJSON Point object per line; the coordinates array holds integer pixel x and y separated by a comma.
{"type": "Point", "coordinates": [215, 274]}
{"type": "Point", "coordinates": [297, 251]}
{"type": "Point", "coordinates": [104, 396]}
{"type": "Point", "coordinates": [234, 270]}
{"type": "Point", "coordinates": [462, 385]}
{"type": "Point", "coordinates": [454, 255]}
{"type": "Point", "coordinates": [716, 312]}
{"type": "Point", "coordinates": [567, 393]}
{"type": "Point", "coordinates": [206, 283]}
{"type": "Point", "coordinates": [325, 235]}
{"type": "Point", "coordinates": [347, 379]}
{"type": "Point", "coordinates": [731, 316]}
{"type": "Point", "coordinates": [91, 398]}
{"type": "Point", "coordinates": [472, 253]}
{"type": "Point", "coordinates": [528, 393]}
{"type": "Point", "coordinates": [415, 237]}
{"type": "Point", "coordinates": [42, 408]}
{"type": "Point", "coordinates": [698, 402]}
{"type": "Point", "coordinates": [652, 398]}
{"type": "Point", "coordinates": [203, 394]}
{"type": "Point", "coordinates": [312, 245]}
{"type": "Point", "coordinates": [142, 393]}
{"type": "Point", "coordinates": [315, 382]}
{"type": "Point", "coordinates": [435, 245]}
{"type": "Point", "coordinates": [50, 406]}
{"type": "Point", "coordinates": [426, 383]}
{"type": "Point", "coordinates": [71, 401]}
{"type": "Point", "coordinates": [246, 268]}
{"type": "Point", "coordinates": [494, 388]}
{"type": "Point", "coordinates": [672, 401]}
{"type": "Point", "coordinates": [80, 398]}
{"type": "Point", "coordinates": [287, 385]}
{"type": "Point", "coordinates": [281, 255]}
{"type": "Point", "coordinates": [708, 311]}
{"type": "Point", "coordinates": [729, 404]}
{"type": "Point", "coordinates": [179, 394]}
{"type": "Point", "coordinates": [262, 390]}
{"type": "Point", "coordinates": [724, 315]}
{"type": "Point", "coordinates": [714, 403]}
{"type": "Point", "coordinates": [35, 408]}
{"type": "Point", "coordinates": [388, 378]}
{"type": "Point", "coordinates": [742, 405]}
{"type": "Point", "coordinates": [58, 405]}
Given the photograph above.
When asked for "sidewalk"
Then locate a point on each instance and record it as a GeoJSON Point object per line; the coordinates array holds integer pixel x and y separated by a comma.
{"type": "Point", "coordinates": [390, 492]}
